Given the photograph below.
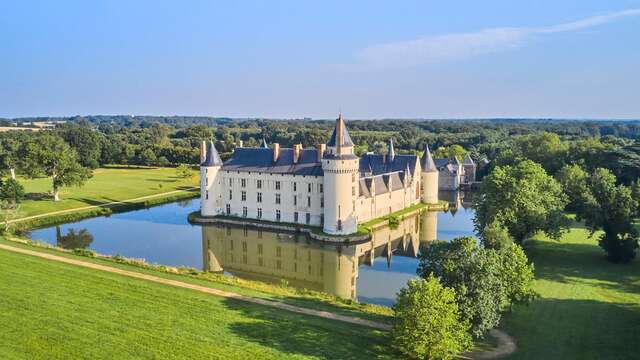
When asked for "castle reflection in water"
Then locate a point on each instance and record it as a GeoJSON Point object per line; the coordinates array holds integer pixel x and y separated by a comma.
{"type": "Point", "coordinates": [255, 254]}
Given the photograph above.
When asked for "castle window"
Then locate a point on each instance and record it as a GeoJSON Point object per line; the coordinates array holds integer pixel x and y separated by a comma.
{"type": "Point", "coordinates": [230, 244]}
{"type": "Point", "coordinates": [244, 211]}
{"type": "Point", "coordinates": [353, 191]}
{"type": "Point", "coordinates": [278, 251]}
{"type": "Point", "coordinates": [321, 219]}
{"type": "Point", "coordinates": [243, 195]}
{"type": "Point", "coordinates": [260, 262]}
{"type": "Point", "coordinates": [259, 197]}
{"type": "Point", "coordinates": [244, 259]}
{"type": "Point", "coordinates": [295, 186]}
{"type": "Point", "coordinates": [230, 181]}
{"type": "Point", "coordinates": [309, 187]}
{"type": "Point", "coordinates": [259, 249]}
{"type": "Point", "coordinates": [295, 216]}
{"type": "Point", "coordinates": [277, 198]}
{"type": "Point", "coordinates": [244, 246]}
{"type": "Point", "coordinates": [277, 215]}
{"type": "Point", "coordinates": [260, 213]}
{"type": "Point", "coordinates": [309, 201]}
{"type": "Point", "coordinates": [307, 218]}
{"type": "Point", "coordinates": [295, 199]}
{"type": "Point", "coordinates": [259, 184]}
{"type": "Point", "coordinates": [321, 202]}
{"type": "Point", "coordinates": [339, 225]}
{"type": "Point", "coordinates": [243, 182]}
{"type": "Point", "coordinates": [321, 188]}
{"type": "Point", "coordinates": [228, 209]}
{"type": "Point", "coordinates": [353, 177]}
{"type": "Point", "coordinates": [277, 185]}
{"type": "Point", "coordinates": [278, 264]}
{"type": "Point", "coordinates": [230, 194]}
{"type": "Point", "coordinates": [206, 195]}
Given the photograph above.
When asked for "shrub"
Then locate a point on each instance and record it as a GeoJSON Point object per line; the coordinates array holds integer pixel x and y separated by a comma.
{"type": "Point", "coordinates": [427, 321]}
{"type": "Point", "coordinates": [11, 191]}
{"type": "Point", "coordinates": [394, 222]}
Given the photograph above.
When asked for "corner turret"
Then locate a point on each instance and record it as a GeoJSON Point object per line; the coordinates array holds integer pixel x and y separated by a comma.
{"type": "Point", "coordinates": [341, 175]}
{"type": "Point", "coordinates": [429, 176]}
{"type": "Point", "coordinates": [210, 194]}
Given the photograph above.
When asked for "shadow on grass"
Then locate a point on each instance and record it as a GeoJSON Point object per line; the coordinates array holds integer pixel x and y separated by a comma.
{"type": "Point", "coordinates": [573, 263]}
{"type": "Point", "coordinates": [173, 179]}
{"type": "Point", "coordinates": [574, 329]}
{"type": "Point", "coordinates": [308, 335]}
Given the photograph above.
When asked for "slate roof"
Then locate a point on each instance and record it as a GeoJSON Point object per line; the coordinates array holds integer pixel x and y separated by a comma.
{"type": "Point", "coordinates": [375, 164]}
{"type": "Point", "coordinates": [212, 158]}
{"type": "Point", "coordinates": [259, 159]}
{"type": "Point", "coordinates": [450, 165]}
{"type": "Point", "coordinates": [346, 139]}
{"type": "Point", "coordinates": [426, 163]}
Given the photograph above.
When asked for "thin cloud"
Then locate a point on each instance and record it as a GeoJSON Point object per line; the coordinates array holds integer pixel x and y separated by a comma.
{"type": "Point", "coordinates": [437, 48]}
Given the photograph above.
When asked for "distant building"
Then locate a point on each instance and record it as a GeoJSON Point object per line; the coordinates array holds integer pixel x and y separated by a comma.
{"type": "Point", "coordinates": [453, 174]}
{"type": "Point", "coordinates": [327, 185]}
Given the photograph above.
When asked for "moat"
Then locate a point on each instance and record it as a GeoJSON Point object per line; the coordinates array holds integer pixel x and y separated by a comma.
{"type": "Point", "coordinates": [371, 272]}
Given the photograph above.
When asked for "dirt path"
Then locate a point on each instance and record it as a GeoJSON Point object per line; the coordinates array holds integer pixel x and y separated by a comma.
{"type": "Point", "coordinates": [506, 346]}
{"type": "Point", "coordinates": [109, 204]}
{"type": "Point", "coordinates": [204, 289]}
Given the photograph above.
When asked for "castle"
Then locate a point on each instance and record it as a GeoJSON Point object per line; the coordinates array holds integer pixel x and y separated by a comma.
{"type": "Point", "coordinates": [326, 186]}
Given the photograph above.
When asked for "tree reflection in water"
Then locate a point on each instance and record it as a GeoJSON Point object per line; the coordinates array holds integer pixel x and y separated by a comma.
{"type": "Point", "coordinates": [73, 240]}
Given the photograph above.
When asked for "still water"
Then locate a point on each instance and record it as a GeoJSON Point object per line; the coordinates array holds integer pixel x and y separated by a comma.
{"type": "Point", "coordinates": [371, 272]}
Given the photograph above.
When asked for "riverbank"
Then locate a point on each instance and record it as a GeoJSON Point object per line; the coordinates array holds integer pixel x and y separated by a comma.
{"type": "Point", "coordinates": [111, 189]}
{"type": "Point", "coordinates": [59, 310]}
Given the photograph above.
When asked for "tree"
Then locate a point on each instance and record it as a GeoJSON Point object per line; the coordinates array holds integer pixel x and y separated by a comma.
{"type": "Point", "coordinates": [547, 149]}
{"type": "Point", "coordinates": [73, 240]}
{"type": "Point", "coordinates": [474, 274]}
{"type": "Point", "coordinates": [11, 190]}
{"type": "Point", "coordinates": [450, 152]}
{"type": "Point", "coordinates": [496, 236]}
{"type": "Point", "coordinates": [85, 141]}
{"type": "Point", "coordinates": [524, 199]}
{"type": "Point", "coordinates": [49, 155]}
{"type": "Point", "coordinates": [184, 171]}
{"type": "Point", "coordinates": [427, 321]}
{"type": "Point", "coordinates": [574, 184]}
{"type": "Point", "coordinates": [612, 208]}
{"type": "Point", "coordinates": [516, 273]}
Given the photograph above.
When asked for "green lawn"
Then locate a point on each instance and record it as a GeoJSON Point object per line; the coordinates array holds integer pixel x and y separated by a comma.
{"type": "Point", "coordinates": [107, 185]}
{"type": "Point", "coordinates": [588, 308]}
{"type": "Point", "coordinates": [52, 310]}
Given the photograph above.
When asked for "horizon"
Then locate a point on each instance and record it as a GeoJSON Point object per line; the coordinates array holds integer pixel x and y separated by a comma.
{"type": "Point", "coordinates": [288, 60]}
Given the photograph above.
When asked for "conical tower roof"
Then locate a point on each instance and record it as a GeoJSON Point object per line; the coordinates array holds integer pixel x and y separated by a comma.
{"type": "Point", "coordinates": [392, 152]}
{"type": "Point", "coordinates": [340, 126]}
{"type": "Point", "coordinates": [426, 162]}
{"type": "Point", "coordinates": [467, 160]}
{"type": "Point", "coordinates": [212, 159]}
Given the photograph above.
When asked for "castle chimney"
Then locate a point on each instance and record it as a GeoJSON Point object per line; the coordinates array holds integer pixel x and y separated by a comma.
{"type": "Point", "coordinates": [320, 150]}
{"type": "Point", "coordinates": [296, 152]}
{"type": "Point", "coordinates": [203, 151]}
{"type": "Point", "coordinates": [276, 151]}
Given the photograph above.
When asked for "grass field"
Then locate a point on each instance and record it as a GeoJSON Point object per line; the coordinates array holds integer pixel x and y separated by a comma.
{"type": "Point", "coordinates": [107, 185]}
{"type": "Point", "coordinates": [588, 308]}
{"type": "Point", "coordinates": [59, 311]}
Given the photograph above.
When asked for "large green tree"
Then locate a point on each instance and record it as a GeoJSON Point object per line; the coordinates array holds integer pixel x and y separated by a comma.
{"type": "Point", "coordinates": [51, 156]}
{"type": "Point", "coordinates": [611, 208]}
{"type": "Point", "coordinates": [544, 148]}
{"type": "Point", "coordinates": [523, 198]}
{"type": "Point", "coordinates": [427, 321]}
{"type": "Point", "coordinates": [574, 184]}
{"type": "Point", "coordinates": [474, 273]}
{"type": "Point", "coordinates": [87, 142]}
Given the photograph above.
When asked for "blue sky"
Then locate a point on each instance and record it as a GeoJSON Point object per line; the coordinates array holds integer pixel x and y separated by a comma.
{"type": "Point", "coordinates": [372, 59]}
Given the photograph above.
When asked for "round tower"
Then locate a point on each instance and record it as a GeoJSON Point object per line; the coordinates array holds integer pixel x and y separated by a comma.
{"type": "Point", "coordinates": [210, 194]}
{"type": "Point", "coordinates": [429, 178]}
{"type": "Point", "coordinates": [341, 176]}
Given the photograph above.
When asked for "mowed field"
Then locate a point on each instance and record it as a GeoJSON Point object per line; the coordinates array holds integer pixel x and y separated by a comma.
{"type": "Point", "coordinates": [53, 310]}
{"type": "Point", "coordinates": [588, 308]}
{"type": "Point", "coordinates": [107, 185]}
